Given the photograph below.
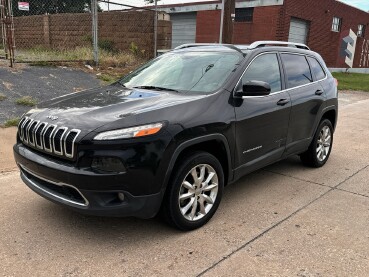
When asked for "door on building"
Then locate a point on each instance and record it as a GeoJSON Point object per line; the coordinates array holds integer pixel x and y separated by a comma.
{"type": "Point", "coordinates": [183, 28]}
{"type": "Point", "coordinates": [299, 30]}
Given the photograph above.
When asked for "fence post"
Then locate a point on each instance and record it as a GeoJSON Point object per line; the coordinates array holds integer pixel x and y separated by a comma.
{"type": "Point", "coordinates": [46, 22]}
{"type": "Point", "coordinates": [94, 31]}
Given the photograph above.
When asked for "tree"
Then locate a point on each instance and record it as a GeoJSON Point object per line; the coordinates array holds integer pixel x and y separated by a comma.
{"type": "Point", "coordinates": [37, 7]}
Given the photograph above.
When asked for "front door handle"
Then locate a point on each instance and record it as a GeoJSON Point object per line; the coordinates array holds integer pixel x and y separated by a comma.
{"type": "Point", "coordinates": [283, 102]}
{"type": "Point", "coordinates": [319, 92]}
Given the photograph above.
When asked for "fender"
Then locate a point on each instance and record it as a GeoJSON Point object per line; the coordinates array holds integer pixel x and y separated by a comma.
{"type": "Point", "coordinates": [183, 146]}
{"type": "Point", "coordinates": [324, 110]}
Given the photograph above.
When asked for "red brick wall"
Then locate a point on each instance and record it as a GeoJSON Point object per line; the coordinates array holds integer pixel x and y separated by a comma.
{"type": "Point", "coordinates": [70, 30]}
{"type": "Point", "coordinates": [263, 27]}
{"type": "Point", "coordinates": [208, 26]}
{"type": "Point", "coordinates": [320, 14]}
{"type": "Point", "coordinates": [273, 23]}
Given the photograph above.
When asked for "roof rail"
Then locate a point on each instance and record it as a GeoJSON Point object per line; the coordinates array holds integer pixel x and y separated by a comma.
{"type": "Point", "coordinates": [189, 45]}
{"type": "Point", "coordinates": [264, 43]}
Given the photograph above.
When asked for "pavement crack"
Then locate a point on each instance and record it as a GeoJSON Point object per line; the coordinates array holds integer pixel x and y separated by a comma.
{"type": "Point", "coordinates": [297, 178]}
{"type": "Point", "coordinates": [279, 222]}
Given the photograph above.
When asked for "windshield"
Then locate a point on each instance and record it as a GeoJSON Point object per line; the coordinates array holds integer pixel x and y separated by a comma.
{"type": "Point", "coordinates": [185, 71]}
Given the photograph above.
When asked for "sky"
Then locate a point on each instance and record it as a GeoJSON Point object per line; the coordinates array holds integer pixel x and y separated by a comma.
{"type": "Point", "coordinates": [361, 4]}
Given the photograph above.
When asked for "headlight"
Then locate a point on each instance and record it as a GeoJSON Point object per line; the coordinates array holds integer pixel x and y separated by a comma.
{"type": "Point", "coordinates": [133, 132]}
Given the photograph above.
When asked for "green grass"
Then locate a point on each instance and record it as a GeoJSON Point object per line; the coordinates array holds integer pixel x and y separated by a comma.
{"type": "Point", "coordinates": [108, 78]}
{"type": "Point", "coordinates": [2, 96]}
{"type": "Point", "coordinates": [11, 122]}
{"type": "Point", "coordinates": [42, 56]}
{"type": "Point", "coordinates": [26, 101]}
{"type": "Point", "coordinates": [352, 81]}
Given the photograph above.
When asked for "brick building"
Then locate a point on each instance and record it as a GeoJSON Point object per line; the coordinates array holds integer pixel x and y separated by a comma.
{"type": "Point", "coordinates": [324, 25]}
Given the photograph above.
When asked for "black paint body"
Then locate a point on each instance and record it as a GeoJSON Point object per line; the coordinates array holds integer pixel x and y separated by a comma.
{"type": "Point", "coordinates": [231, 128]}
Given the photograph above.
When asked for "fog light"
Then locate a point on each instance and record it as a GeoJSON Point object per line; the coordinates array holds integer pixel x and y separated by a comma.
{"type": "Point", "coordinates": [121, 196]}
{"type": "Point", "coordinates": [108, 164]}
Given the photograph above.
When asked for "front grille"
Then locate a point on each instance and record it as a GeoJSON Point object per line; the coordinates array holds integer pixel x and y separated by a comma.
{"type": "Point", "coordinates": [58, 140]}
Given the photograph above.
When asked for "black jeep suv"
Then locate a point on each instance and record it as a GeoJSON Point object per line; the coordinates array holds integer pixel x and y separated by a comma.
{"type": "Point", "coordinates": [169, 136]}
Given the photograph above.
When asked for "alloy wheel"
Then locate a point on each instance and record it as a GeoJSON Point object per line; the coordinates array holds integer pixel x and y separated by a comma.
{"type": "Point", "coordinates": [198, 192]}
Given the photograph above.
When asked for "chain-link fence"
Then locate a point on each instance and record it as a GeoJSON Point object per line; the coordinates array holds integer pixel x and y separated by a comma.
{"type": "Point", "coordinates": [63, 30]}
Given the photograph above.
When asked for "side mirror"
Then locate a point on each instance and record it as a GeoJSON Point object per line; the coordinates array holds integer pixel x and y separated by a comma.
{"type": "Point", "coordinates": [253, 88]}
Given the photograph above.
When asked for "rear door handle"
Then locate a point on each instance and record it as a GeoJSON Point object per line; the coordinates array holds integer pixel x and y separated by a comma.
{"type": "Point", "coordinates": [283, 102]}
{"type": "Point", "coordinates": [319, 92]}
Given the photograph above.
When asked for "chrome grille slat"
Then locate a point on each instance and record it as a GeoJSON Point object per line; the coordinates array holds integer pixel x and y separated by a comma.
{"type": "Point", "coordinates": [50, 138]}
{"type": "Point", "coordinates": [46, 138]}
{"type": "Point", "coordinates": [20, 125]}
{"type": "Point", "coordinates": [38, 135]}
{"type": "Point", "coordinates": [70, 145]}
{"type": "Point", "coordinates": [25, 130]}
{"type": "Point", "coordinates": [58, 142]}
{"type": "Point", "coordinates": [31, 134]}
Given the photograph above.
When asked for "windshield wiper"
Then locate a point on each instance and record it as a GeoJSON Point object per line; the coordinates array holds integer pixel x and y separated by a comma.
{"type": "Point", "coordinates": [156, 88]}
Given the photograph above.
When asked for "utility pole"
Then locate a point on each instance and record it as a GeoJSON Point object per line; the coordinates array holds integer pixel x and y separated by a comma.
{"type": "Point", "coordinates": [94, 31]}
{"type": "Point", "coordinates": [226, 28]}
{"type": "Point", "coordinates": [156, 29]}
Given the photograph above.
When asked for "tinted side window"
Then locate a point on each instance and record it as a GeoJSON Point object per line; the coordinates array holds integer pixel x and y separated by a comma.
{"type": "Point", "coordinates": [297, 69]}
{"type": "Point", "coordinates": [265, 68]}
{"type": "Point", "coordinates": [316, 68]}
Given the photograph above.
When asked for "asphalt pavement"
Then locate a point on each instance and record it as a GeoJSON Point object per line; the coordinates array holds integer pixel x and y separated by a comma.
{"type": "Point", "coordinates": [40, 83]}
{"type": "Point", "coordinates": [284, 220]}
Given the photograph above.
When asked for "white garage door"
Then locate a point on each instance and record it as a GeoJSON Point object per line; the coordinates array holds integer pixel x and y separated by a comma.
{"type": "Point", "coordinates": [299, 30]}
{"type": "Point", "coordinates": [183, 28]}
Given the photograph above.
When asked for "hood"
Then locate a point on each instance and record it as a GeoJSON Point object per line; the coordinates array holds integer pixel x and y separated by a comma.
{"type": "Point", "coordinates": [96, 107]}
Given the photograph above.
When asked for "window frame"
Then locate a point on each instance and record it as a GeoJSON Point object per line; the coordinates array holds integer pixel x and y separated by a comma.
{"type": "Point", "coordinates": [313, 73]}
{"type": "Point", "coordinates": [360, 32]}
{"type": "Point", "coordinates": [281, 73]}
{"type": "Point", "coordinates": [286, 75]}
{"type": "Point", "coordinates": [244, 18]}
{"type": "Point", "coordinates": [336, 26]}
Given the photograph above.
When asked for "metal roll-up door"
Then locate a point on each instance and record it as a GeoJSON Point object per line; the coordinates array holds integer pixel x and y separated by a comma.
{"type": "Point", "coordinates": [299, 30]}
{"type": "Point", "coordinates": [183, 28]}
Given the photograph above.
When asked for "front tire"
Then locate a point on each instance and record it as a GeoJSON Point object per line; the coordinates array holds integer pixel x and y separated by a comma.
{"type": "Point", "coordinates": [321, 146]}
{"type": "Point", "coordinates": [195, 191]}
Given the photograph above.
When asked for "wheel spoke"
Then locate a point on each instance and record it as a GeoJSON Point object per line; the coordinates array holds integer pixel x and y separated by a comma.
{"type": "Point", "coordinates": [210, 187]}
{"type": "Point", "coordinates": [194, 175]}
{"type": "Point", "coordinates": [194, 208]}
{"type": "Point", "coordinates": [185, 209]}
{"type": "Point", "coordinates": [202, 174]}
{"type": "Point", "coordinates": [188, 186]}
{"type": "Point", "coordinates": [211, 175]}
{"type": "Point", "coordinates": [202, 206]}
{"type": "Point", "coordinates": [319, 149]}
{"type": "Point", "coordinates": [207, 198]}
{"type": "Point", "coordinates": [186, 195]}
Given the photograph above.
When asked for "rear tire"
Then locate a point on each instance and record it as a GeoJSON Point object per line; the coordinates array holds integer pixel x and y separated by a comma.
{"type": "Point", "coordinates": [321, 146]}
{"type": "Point", "coordinates": [195, 191]}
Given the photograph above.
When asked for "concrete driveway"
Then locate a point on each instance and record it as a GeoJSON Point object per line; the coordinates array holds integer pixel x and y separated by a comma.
{"type": "Point", "coordinates": [284, 220]}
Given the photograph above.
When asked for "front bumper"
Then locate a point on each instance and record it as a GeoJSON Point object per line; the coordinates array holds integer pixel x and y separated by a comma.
{"type": "Point", "coordinates": [59, 183]}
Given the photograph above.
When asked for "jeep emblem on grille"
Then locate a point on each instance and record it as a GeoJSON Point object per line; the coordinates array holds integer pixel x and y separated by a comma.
{"type": "Point", "coordinates": [52, 117]}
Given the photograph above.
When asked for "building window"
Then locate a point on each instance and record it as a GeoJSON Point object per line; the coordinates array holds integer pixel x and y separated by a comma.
{"type": "Point", "coordinates": [360, 30]}
{"type": "Point", "coordinates": [244, 15]}
{"type": "Point", "coordinates": [336, 24]}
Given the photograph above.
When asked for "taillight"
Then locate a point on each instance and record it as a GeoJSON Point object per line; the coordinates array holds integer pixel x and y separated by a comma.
{"type": "Point", "coordinates": [336, 82]}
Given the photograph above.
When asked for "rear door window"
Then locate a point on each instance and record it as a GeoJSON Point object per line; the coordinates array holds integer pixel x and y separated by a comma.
{"type": "Point", "coordinates": [297, 70]}
{"type": "Point", "coordinates": [316, 68]}
{"type": "Point", "coordinates": [265, 68]}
